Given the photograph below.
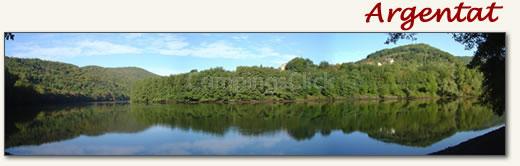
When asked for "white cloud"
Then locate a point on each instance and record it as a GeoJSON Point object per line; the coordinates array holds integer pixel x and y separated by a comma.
{"type": "Point", "coordinates": [85, 47]}
{"type": "Point", "coordinates": [281, 58]}
{"type": "Point", "coordinates": [132, 35]}
{"type": "Point", "coordinates": [104, 48]}
{"type": "Point", "coordinates": [233, 47]}
{"type": "Point", "coordinates": [217, 49]}
{"type": "Point", "coordinates": [277, 39]}
{"type": "Point", "coordinates": [230, 143]}
{"type": "Point", "coordinates": [241, 37]}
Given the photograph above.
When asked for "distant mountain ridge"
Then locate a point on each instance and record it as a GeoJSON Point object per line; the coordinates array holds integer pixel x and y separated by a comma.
{"type": "Point", "coordinates": [63, 82]}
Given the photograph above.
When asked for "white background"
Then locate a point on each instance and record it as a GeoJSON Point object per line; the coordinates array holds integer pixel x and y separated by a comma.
{"type": "Point", "coordinates": [257, 16]}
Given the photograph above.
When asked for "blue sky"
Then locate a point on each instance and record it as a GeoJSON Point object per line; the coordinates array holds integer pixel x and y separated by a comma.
{"type": "Point", "coordinates": [172, 53]}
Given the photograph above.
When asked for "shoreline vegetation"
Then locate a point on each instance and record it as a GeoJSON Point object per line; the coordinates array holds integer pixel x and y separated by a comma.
{"type": "Point", "coordinates": [313, 100]}
{"type": "Point", "coordinates": [253, 102]}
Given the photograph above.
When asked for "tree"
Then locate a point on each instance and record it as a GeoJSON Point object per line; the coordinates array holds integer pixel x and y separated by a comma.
{"type": "Point", "coordinates": [38, 81]}
{"type": "Point", "coordinates": [324, 64]}
{"type": "Point", "coordinates": [300, 65]}
{"type": "Point", "coordinates": [8, 35]}
{"type": "Point", "coordinates": [490, 59]}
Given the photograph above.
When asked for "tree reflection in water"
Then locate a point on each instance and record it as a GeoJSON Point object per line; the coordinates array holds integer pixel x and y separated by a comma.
{"type": "Point", "coordinates": [417, 123]}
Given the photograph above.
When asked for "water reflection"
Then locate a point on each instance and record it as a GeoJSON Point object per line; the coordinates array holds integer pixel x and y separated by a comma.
{"type": "Point", "coordinates": [355, 127]}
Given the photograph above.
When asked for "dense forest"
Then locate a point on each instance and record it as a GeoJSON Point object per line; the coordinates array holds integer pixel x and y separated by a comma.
{"type": "Point", "coordinates": [34, 81]}
{"type": "Point", "coordinates": [410, 71]}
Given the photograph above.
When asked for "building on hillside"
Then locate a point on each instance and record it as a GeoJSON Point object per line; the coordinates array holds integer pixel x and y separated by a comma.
{"type": "Point", "coordinates": [283, 67]}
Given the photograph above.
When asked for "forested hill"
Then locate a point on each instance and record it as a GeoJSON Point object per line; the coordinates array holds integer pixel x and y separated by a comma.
{"type": "Point", "coordinates": [465, 59]}
{"type": "Point", "coordinates": [410, 71]}
{"type": "Point", "coordinates": [36, 81]}
{"type": "Point", "coordinates": [413, 54]}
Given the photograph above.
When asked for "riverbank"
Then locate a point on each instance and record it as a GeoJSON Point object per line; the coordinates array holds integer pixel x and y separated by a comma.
{"type": "Point", "coordinates": [492, 143]}
{"type": "Point", "coordinates": [307, 99]}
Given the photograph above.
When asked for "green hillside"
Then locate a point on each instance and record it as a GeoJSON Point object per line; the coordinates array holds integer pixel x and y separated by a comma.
{"type": "Point", "coordinates": [465, 59]}
{"type": "Point", "coordinates": [411, 71]}
{"type": "Point", "coordinates": [414, 54]}
{"type": "Point", "coordinates": [34, 81]}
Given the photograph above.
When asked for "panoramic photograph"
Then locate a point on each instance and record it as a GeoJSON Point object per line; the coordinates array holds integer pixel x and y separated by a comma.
{"type": "Point", "coordinates": [254, 94]}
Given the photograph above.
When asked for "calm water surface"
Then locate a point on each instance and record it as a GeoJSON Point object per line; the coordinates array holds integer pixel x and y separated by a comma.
{"type": "Point", "coordinates": [337, 128]}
